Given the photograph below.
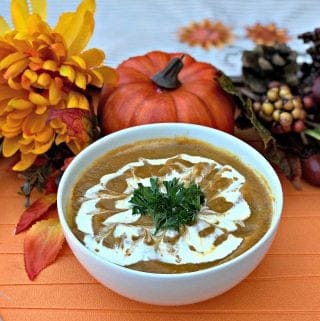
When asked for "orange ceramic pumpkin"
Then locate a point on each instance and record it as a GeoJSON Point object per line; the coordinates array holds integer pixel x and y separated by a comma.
{"type": "Point", "coordinates": [162, 87]}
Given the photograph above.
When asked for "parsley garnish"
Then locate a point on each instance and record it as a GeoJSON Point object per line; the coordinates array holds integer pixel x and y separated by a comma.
{"type": "Point", "coordinates": [176, 206]}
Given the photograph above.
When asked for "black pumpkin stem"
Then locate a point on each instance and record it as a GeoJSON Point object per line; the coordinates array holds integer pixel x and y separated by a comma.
{"type": "Point", "coordinates": [168, 77]}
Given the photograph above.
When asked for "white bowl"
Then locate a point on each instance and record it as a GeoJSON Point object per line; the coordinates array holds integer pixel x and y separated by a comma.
{"type": "Point", "coordinates": [170, 289]}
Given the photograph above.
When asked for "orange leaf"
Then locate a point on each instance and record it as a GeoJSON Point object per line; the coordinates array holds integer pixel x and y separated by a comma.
{"type": "Point", "coordinates": [35, 211]}
{"type": "Point", "coordinates": [42, 244]}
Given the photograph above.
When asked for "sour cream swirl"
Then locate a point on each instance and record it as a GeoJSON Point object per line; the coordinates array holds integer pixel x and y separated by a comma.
{"type": "Point", "coordinates": [211, 238]}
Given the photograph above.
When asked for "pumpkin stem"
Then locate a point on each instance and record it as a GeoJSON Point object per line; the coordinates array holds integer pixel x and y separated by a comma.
{"type": "Point", "coordinates": [168, 77]}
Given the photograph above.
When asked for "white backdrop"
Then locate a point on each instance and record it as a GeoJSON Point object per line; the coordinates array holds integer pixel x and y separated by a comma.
{"type": "Point", "coordinates": [126, 28]}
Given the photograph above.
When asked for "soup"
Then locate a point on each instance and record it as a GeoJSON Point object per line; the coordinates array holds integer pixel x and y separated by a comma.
{"type": "Point", "coordinates": [235, 212]}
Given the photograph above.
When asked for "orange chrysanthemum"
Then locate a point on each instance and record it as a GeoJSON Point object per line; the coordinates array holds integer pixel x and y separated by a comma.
{"type": "Point", "coordinates": [206, 34]}
{"type": "Point", "coordinates": [45, 70]}
{"type": "Point", "coordinates": [267, 35]}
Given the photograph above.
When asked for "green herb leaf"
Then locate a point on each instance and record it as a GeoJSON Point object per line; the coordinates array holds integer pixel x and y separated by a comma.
{"type": "Point", "coordinates": [177, 205]}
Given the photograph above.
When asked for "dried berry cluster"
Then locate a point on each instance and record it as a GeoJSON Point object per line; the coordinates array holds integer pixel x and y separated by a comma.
{"type": "Point", "coordinates": [286, 103]}
{"type": "Point", "coordinates": [281, 110]}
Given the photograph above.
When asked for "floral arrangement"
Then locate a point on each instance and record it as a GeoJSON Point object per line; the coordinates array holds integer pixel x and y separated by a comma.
{"type": "Point", "coordinates": [49, 90]}
{"type": "Point", "coordinates": [283, 105]}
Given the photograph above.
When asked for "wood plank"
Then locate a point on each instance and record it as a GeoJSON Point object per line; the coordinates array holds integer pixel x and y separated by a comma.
{"type": "Point", "coordinates": [286, 295]}
{"type": "Point", "coordinates": [299, 205]}
{"type": "Point", "coordinates": [297, 235]}
{"type": "Point", "coordinates": [67, 270]}
{"type": "Point", "coordinates": [108, 315]}
{"type": "Point", "coordinates": [289, 189]}
{"type": "Point", "coordinates": [11, 243]}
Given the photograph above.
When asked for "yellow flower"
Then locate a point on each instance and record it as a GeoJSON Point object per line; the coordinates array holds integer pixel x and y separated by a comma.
{"type": "Point", "coordinates": [44, 70]}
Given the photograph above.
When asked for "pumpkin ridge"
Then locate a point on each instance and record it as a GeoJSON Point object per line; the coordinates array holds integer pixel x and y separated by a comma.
{"type": "Point", "coordinates": [138, 110]}
{"type": "Point", "coordinates": [154, 57]}
{"type": "Point", "coordinates": [133, 74]}
{"type": "Point", "coordinates": [174, 104]}
{"type": "Point", "coordinates": [193, 72]}
{"type": "Point", "coordinates": [184, 108]}
{"type": "Point", "coordinates": [110, 121]}
{"type": "Point", "coordinates": [153, 63]}
{"type": "Point", "coordinates": [205, 105]}
{"type": "Point", "coordinates": [142, 64]}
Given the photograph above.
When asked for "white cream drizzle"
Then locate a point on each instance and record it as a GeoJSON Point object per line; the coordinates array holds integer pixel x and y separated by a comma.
{"type": "Point", "coordinates": [189, 247]}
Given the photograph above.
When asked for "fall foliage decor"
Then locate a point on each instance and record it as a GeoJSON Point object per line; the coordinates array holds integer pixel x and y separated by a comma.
{"type": "Point", "coordinates": [285, 109]}
{"type": "Point", "coordinates": [45, 73]}
{"type": "Point", "coordinates": [166, 87]}
{"type": "Point", "coordinates": [49, 86]}
{"type": "Point", "coordinates": [206, 34]}
{"type": "Point", "coordinates": [268, 35]}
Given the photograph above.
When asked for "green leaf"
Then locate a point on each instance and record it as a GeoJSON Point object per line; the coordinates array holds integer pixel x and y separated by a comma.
{"type": "Point", "coordinates": [170, 205]}
{"type": "Point", "coordinates": [263, 132]}
{"type": "Point", "coordinates": [315, 133]}
{"type": "Point", "coordinates": [227, 85]}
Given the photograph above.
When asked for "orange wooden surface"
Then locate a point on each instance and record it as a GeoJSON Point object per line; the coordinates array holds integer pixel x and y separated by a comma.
{"type": "Point", "coordinates": [284, 287]}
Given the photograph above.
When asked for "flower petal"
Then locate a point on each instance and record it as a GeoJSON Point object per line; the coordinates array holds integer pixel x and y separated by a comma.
{"type": "Point", "coordinates": [38, 99]}
{"type": "Point", "coordinates": [3, 26]}
{"type": "Point", "coordinates": [40, 109]}
{"type": "Point", "coordinates": [10, 146]}
{"type": "Point", "coordinates": [16, 69]}
{"type": "Point", "coordinates": [37, 25]}
{"type": "Point", "coordinates": [40, 148]}
{"type": "Point", "coordinates": [87, 5]}
{"type": "Point", "coordinates": [55, 93]}
{"type": "Point", "coordinates": [25, 162]}
{"type": "Point", "coordinates": [7, 93]}
{"type": "Point", "coordinates": [50, 65]}
{"type": "Point", "coordinates": [44, 136]}
{"type": "Point", "coordinates": [96, 78]}
{"type": "Point", "coordinates": [64, 23]}
{"type": "Point", "coordinates": [14, 84]}
{"type": "Point", "coordinates": [44, 80]}
{"type": "Point", "coordinates": [109, 74]}
{"type": "Point", "coordinates": [81, 81]}
{"type": "Point", "coordinates": [20, 104]}
{"type": "Point", "coordinates": [39, 7]}
{"type": "Point", "coordinates": [20, 14]}
{"type": "Point", "coordinates": [10, 59]}
{"type": "Point", "coordinates": [77, 61]}
{"type": "Point", "coordinates": [83, 36]}
{"type": "Point", "coordinates": [19, 114]}
{"type": "Point", "coordinates": [93, 57]}
{"type": "Point", "coordinates": [68, 72]}
{"type": "Point", "coordinates": [34, 123]}
{"type": "Point", "coordinates": [35, 211]}
{"type": "Point", "coordinates": [70, 24]}
{"type": "Point", "coordinates": [42, 244]}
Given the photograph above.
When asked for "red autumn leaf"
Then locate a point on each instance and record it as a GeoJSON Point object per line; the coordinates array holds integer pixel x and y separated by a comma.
{"type": "Point", "coordinates": [42, 244]}
{"type": "Point", "coordinates": [66, 163]}
{"type": "Point", "coordinates": [35, 211]}
{"type": "Point", "coordinates": [51, 185]}
{"type": "Point", "coordinates": [79, 127]}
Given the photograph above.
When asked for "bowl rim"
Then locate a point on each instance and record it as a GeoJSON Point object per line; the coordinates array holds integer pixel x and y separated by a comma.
{"type": "Point", "coordinates": [270, 233]}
